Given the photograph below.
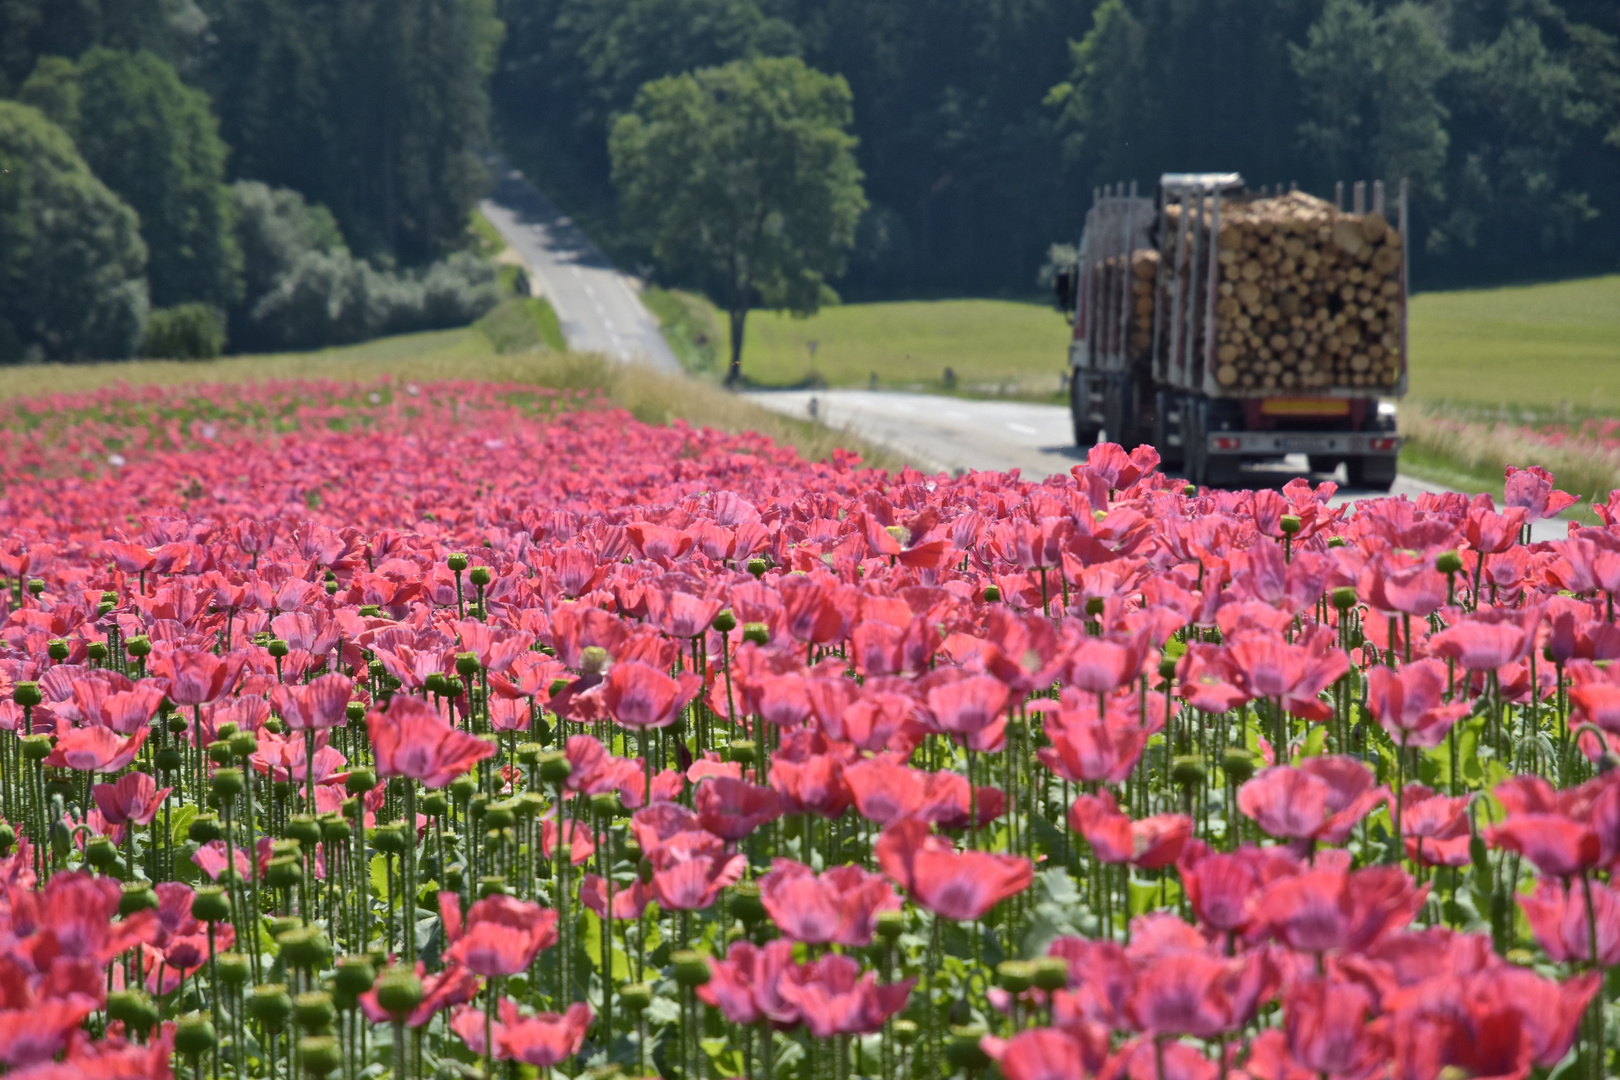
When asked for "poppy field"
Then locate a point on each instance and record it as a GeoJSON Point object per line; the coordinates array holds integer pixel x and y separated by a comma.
{"type": "Point", "coordinates": [459, 729]}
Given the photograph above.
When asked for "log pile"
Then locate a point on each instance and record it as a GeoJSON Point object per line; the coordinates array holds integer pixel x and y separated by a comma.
{"type": "Point", "coordinates": [1309, 297]}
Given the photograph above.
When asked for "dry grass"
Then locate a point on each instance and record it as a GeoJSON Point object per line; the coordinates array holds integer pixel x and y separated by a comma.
{"type": "Point", "coordinates": [650, 396]}
{"type": "Point", "coordinates": [1447, 438]}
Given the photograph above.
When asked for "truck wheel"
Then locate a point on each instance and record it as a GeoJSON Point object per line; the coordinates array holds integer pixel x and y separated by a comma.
{"type": "Point", "coordinates": [1320, 464]}
{"type": "Point", "coordinates": [1374, 472]}
{"type": "Point", "coordinates": [1079, 407]}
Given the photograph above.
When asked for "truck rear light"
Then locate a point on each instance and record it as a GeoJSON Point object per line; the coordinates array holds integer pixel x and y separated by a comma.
{"type": "Point", "coordinates": [1387, 443]}
{"type": "Point", "coordinates": [1223, 442]}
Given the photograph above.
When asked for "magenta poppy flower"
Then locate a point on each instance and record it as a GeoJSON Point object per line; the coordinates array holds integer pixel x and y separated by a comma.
{"type": "Point", "coordinates": [412, 740]}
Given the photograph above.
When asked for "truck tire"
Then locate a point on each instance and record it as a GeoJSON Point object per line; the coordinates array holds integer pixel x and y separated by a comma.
{"type": "Point", "coordinates": [1320, 464]}
{"type": "Point", "coordinates": [1374, 472]}
{"type": "Point", "coordinates": [1119, 411]}
{"type": "Point", "coordinates": [1079, 406]}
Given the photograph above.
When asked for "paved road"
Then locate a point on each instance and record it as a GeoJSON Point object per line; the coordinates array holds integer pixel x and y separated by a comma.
{"type": "Point", "coordinates": [598, 307]}
{"type": "Point", "coordinates": [956, 433]}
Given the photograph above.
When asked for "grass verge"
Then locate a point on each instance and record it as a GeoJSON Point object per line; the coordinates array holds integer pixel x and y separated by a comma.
{"type": "Point", "coordinates": [467, 353]}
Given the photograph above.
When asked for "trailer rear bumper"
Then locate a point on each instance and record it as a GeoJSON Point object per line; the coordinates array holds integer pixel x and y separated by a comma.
{"type": "Point", "coordinates": [1324, 443]}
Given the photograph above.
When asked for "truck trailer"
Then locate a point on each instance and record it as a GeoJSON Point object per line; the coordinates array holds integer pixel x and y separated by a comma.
{"type": "Point", "coordinates": [1226, 326]}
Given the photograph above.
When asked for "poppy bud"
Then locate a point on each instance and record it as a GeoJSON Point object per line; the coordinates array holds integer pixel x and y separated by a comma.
{"type": "Point", "coordinates": [389, 839]}
{"type": "Point", "coordinates": [109, 597]}
{"type": "Point", "coordinates": [905, 1031]}
{"type": "Point", "coordinates": [36, 585]}
{"type": "Point", "coordinates": [219, 752]}
{"type": "Point", "coordinates": [1094, 606]}
{"type": "Point", "coordinates": [354, 975]}
{"type": "Point", "coordinates": [529, 804]}
{"type": "Point", "coordinates": [457, 562]}
{"type": "Point", "coordinates": [398, 992]}
{"type": "Point", "coordinates": [8, 836]}
{"type": "Point", "coordinates": [177, 725]}
{"type": "Point", "coordinates": [435, 804]}
{"type": "Point", "coordinates": [757, 632]}
{"type": "Point", "coordinates": [1344, 597]}
{"type": "Point", "coordinates": [554, 767]}
{"type": "Point", "coordinates": [204, 828]}
{"type": "Point", "coordinates": [453, 877]}
{"type": "Point", "coordinates": [101, 853]}
{"type": "Point", "coordinates": [691, 968]}
{"type": "Point", "coordinates": [745, 903]}
{"type": "Point", "coordinates": [961, 1012]}
{"type": "Point", "coordinates": [370, 611]}
{"type": "Point", "coordinates": [593, 660]}
{"type": "Point", "coordinates": [304, 829]}
{"type": "Point", "coordinates": [467, 664]}
{"type": "Point", "coordinates": [758, 566]}
{"type": "Point", "coordinates": [636, 996]}
{"type": "Point", "coordinates": [277, 648]}
{"type": "Point", "coordinates": [136, 896]}
{"type": "Point", "coordinates": [743, 751]}
{"type": "Point", "coordinates": [139, 646]}
{"type": "Point", "coordinates": [725, 621]}
{"type": "Point", "coordinates": [480, 576]}
{"type": "Point", "coordinates": [331, 588]}
{"type": "Point", "coordinates": [194, 1035]}
{"type": "Point", "coordinates": [355, 712]}
{"type": "Point", "coordinates": [491, 885]}
{"type": "Point", "coordinates": [359, 781]}
{"type": "Point", "coordinates": [274, 726]}
{"type": "Point", "coordinates": [335, 830]}
{"type": "Point", "coordinates": [210, 904]}
{"type": "Point", "coordinates": [26, 693]}
{"type": "Point", "coordinates": [435, 683]}
{"type": "Point", "coordinates": [604, 803]}
{"type": "Point", "coordinates": [244, 744]}
{"type": "Point", "coordinates": [1189, 490]}
{"type": "Point", "coordinates": [1050, 973]}
{"type": "Point", "coordinates": [234, 970]}
{"type": "Point", "coordinates": [313, 1011]}
{"type": "Point", "coordinates": [283, 872]}
{"type": "Point", "coordinates": [1335, 541]}
{"type": "Point", "coordinates": [1448, 562]}
{"type": "Point", "coordinates": [305, 947]}
{"type": "Point", "coordinates": [1167, 668]}
{"type": "Point", "coordinates": [167, 759]}
{"type": "Point", "coordinates": [1237, 763]}
{"type": "Point", "coordinates": [499, 816]}
{"type": "Point", "coordinates": [57, 649]}
{"type": "Point", "coordinates": [1290, 524]}
{"type": "Point", "coordinates": [134, 1008]}
{"type": "Point", "coordinates": [1015, 976]}
{"type": "Point", "coordinates": [36, 747]}
{"type": "Point", "coordinates": [963, 1050]}
{"type": "Point", "coordinates": [1187, 770]}
{"type": "Point", "coordinates": [321, 1055]}
{"type": "Point", "coordinates": [96, 651]}
{"type": "Point", "coordinates": [890, 925]}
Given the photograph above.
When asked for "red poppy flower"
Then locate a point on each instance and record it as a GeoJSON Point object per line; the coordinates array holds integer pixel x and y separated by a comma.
{"type": "Point", "coordinates": [95, 749]}
{"type": "Point", "coordinates": [1320, 800]}
{"type": "Point", "coordinates": [318, 704]}
{"type": "Point", "coordinates": [957, 885]}
{"type": "Point", "coordinates": [502, 936]}
{"type": "Point", "coordinates": [546, 1039]}
{"type": "Point", "coordinates": [1115, 838]}
{"type": "Point", "coordinates": [1409, 704]}
{"type": "Point", "coordinates": [839, 907]}
{"type": "Point", "coordinates": [412, 740]}
{"type": "Point", "coordinates": [1101, 665]}
{"type": "Point", "coordinates": [135, 797]}
{"type": "Point", "coordinates": [195, 677]}
{"type": "Point", "coordinates": [965, 707]}
{"type": "Point", "coordinates": [1322, 909]}
{"type": "Point", "coordinates": [1038, 1054]}
{"type": "Point", "coordinates": [745, 985]}
{"type": "Point", "coordinates": [1220, 886]}
{"type": "Point", "coordinates": [1532, 490]}
{"type": "Point", "coordinates": [639, 696]}
{"type": "Point", "coordinates": [1088, 749]}
{"type": "Point", "coordinates": [832, 997]}
{"type": "Point", "coordinates": [1266, 666]}
{"type": "Point", "coordinates": [695, 883]}
{"type": "Point", "coordinates": [628, 902]}
{"type": "Point", "coordinates": [453, 985]}
{"type": "Point", "coordinates": [732, 809]}
{"type": "Point", "coordinates": [1557, 917]}
{"type": "Point", "coordinates": [1198, 993]}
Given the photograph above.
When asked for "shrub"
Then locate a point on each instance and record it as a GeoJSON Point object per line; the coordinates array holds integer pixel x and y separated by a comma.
{"type": "Point", "coordinates": [185, 332]}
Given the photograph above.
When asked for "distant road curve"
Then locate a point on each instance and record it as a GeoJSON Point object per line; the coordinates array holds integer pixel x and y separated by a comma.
{"type": "Point", "coordinates": [948, 434]}
{"type": "Point", "coordinates": [599, 308]}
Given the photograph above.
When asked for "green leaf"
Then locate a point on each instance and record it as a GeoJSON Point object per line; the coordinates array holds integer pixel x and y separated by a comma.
{"type": "Point", "coordinates": [379, 875]}
{"type": "Point", "coordinates": [180, 822]}
{"type": "Point", "coordinates": [590, 939]}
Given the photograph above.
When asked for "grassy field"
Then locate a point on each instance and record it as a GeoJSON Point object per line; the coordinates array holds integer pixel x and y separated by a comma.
{"type": "Point", "coordinates": [467, 353]}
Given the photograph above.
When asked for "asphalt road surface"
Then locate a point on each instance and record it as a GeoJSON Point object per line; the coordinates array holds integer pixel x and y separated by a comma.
{"type": "Point", "coordinates": [598, 307]}
{"type": "Point", "coordinates": [950, 434]}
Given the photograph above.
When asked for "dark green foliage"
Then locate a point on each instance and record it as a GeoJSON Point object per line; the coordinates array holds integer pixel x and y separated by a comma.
{"type": "Point", "coordinates": [153, 140]}
{"type": "Point", "coordinates": [71, 275]}
{"type": "Point", "coordinates": [274, 228]}
{"type": "Point", "coordinates": [742, 179]}
{"type": "Point", "coordinates": [30, 29]}
{"type": "Point", "coordinates": [185, 332]}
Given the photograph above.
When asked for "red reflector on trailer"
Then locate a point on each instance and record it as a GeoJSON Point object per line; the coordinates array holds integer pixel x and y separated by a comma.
{"type": "Point", "coordinates": [1223, 443]}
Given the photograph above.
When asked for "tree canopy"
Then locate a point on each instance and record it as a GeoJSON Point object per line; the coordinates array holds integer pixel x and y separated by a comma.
{"type": "Point", "coordinates": [742, 179]}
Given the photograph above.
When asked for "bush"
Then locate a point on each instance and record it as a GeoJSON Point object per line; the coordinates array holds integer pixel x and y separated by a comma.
{"type": "Point", "coordinates": [72, 264]}
{"type": "Point", "coordinates": [185, 332]}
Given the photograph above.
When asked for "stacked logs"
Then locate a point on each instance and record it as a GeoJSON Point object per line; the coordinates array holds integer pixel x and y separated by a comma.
{"type": "Point", "coordinates": [1138, 308]}
{"type": "Point", "coordinates": [1310, 298]}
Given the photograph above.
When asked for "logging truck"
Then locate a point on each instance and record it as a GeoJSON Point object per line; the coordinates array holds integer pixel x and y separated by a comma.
{"type": "Point", "coordinates": [1227, 326]}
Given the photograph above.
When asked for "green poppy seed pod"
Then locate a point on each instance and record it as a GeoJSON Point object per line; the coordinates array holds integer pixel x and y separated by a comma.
{"type": "Point", "coordinates": [334, 829]}
{"type": "Point", "coordinates": [604, 804]}
{"type": "Point", "coordinates": [531, 804]}
{"type": "Point", "coordinates": [905, 1031]}
{"type": "Point", "coordinates": [194, 1035]}
{"type": "Point", "coordinates": [270, 1005]}
{"type": "Point", "coordinates": [725, 620]}
{"type": "Point", "coordinates": [168, 759]}
{"type": "Point", "coordinates": [1237, 763]}
{"type": "Point", "coordinates": [1448, 562]}
{"type": "Point", "coordinates": [331, 588]}
{"type": "Point", "coordinates": [274, 726]}
{"type": "Point", "coordinates": [135, 1009]}
{"type": "Point", "coordinates": [1094, 606]}
{"type": "Point", "coordinates": [467, 664]}
{"type": "Point", "coordinates": [992, 594]}
{"type": "Point", "coordinates": [136, 896]}
{"type": "Point", "coordinates": [962, 1049]}
{"type": "Point", "coordinates": [234, 969]}
{"type": "Point", "coordinates": [371, 611]}
{"type": "Point", "coordinates": [36, 585]}
{"type": "Point", "coordinates": [210, 904]}
{"type": "Point", "coordinates": [226, 783]}
{"type": "Point", "coordinates": [244, 744]}
{"type": "Point", "coordinates": [1187, 770]}
{"type": "Point", "coordinates": [436, 683]}
{"type": "Point", "coordinates": [1344, 597]}
{"type": "Point", "coordinates": [57, 649]}
{"type": "Point", "coordinates": [630, 850]}
{"type": "Point", "coordinates": [1167, 668]}
{"type": "Point", "coordinates": [691, 968]}
{"type": "Point", "coordinates": [757, 632]}
{"type": "Point", "coordinates": [388, 839]}
{"type": "Point", "coordinates": [139, 646]}
{"type": "Point", "coordinates": [8, 836]}
{"type": "Point", "coordinates": [305, 947]}
{"type": "Point", "coordinates": [26, 693]}
{"type": "Point", "coordinates": [757, 567]}
{"type": "Point", "coordinates": [277, 648]}
{"type": "Point", "coordinates": [1290, 524]}
{"type": "Point", "coordinates": [204, 828]}
{"type": "Point", "coordinates": [1189, 490]}
{"type": "Point", "coordinates": [355, 712]}
{"type": "Point", "coordinates": [96, 651]}
{"type": "Point", "coordinates": [1050, 973]}
{"type": "Point", "coordinates": [359, 781]}
{"type": "Point", "coordinates": [457, 562]}
{"type": "Point", "coordinates": [321, 1055]}
{"type": "Point", "coordinates": [1015, 976]}
{"type": "Point", "coordinates": [284, 924]}
{"type": "Point", "coordinates": [491, 885]}
{"type": "Point", "coordinates": [743, 751]}
{"type": "Point", "coordinates": [435, 804]}
{"type": "Point", "coordinates": [109, 597]}
{"type": "Point", "coordinates": [1335, 541]}
{"type": "Point", "coordinates": [745, 903]}
{"type": "Point", "coordinates": [481, 577]}
{"type": "Point", "coordinates": [890, 925]}
{"type": "Point", "coordinates": [283, 872]}
{"type": "Point", "coordinates": [354, 975]}
{"type": "Point", "coordinates": [305, 829]}
{"type": "Point", "coordinates": [593, 660]}
{"type": "Point", "coordinates": [177, 724]}
{"type": "Point", "coordinates": [101, 853]}
{"type": "Point", "coordinates": [528, 753]}
{"type": "Point", "coordinates": [499, 816]}
{"type": "Point", "coordinates": [554, 767]}
{"type": "Point", "coordinates": [226, 730]}
{"type": "Point", "coordinates": [636, 996]}
{"type": "Point", "coordinates": [313, 1011]}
